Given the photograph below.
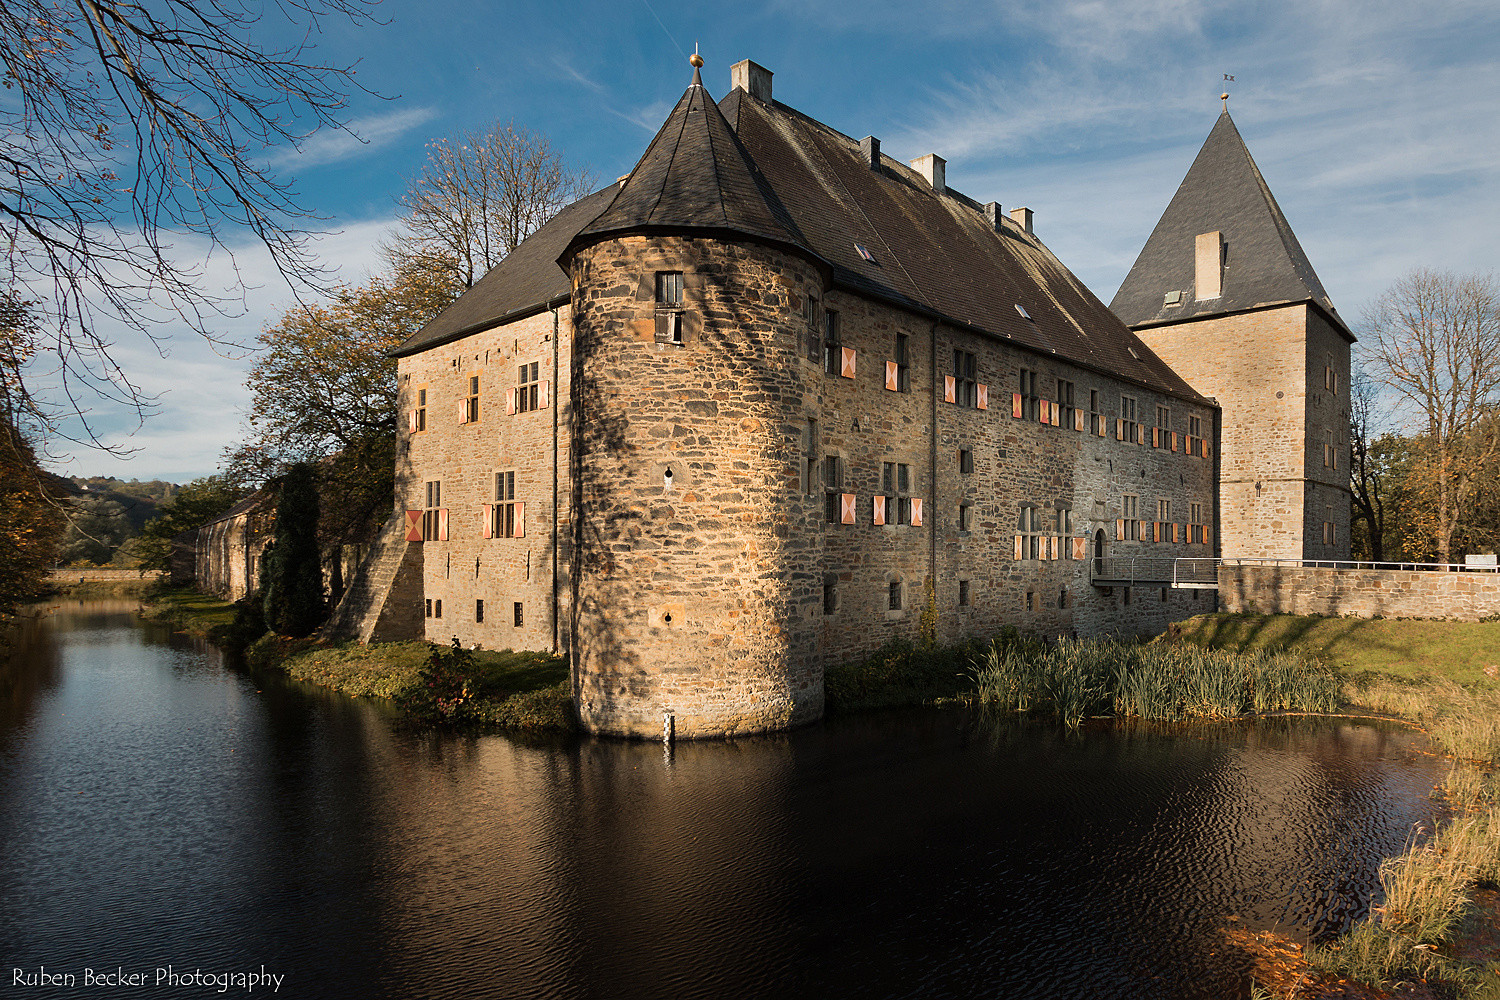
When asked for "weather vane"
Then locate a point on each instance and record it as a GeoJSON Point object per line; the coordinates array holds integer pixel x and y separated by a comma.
{"type": "Point", "coordinates": [1225, 95]}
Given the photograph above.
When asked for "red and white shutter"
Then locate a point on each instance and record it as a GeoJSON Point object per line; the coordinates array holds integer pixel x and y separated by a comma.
{"type": "Point", "coordinates": [1119, 428]}
{"type": "Point", "coordinates": [1140, 434]}
{"type": "Point", "coordinates": [411, 421]}
{"type": "Point", "coordinates": [510, 402]}
{"type": "Point", "coordinates": [1015, 405]}
{"type": "Point", "coordinates": [487, 520]}
{"type": "Point", "coordinates": [442, 520]}
{"type": "Point", "coordinates": [1080, 548]}
{"type": "Point", "coordinates": [892, 376]}
{"type": "Point", "coordinates": [984, 396]}
{"type": "Point", "coordinates": [414, 526]}
{"type": "Point", "coordinates": [916, 510]}
{"type": "Point", "coordinates": [463, 411]}
{"type": "Point", "coordinates": [541, 395]}
{"type": "Point", "coordinates": [846, 362]}
{"type": "Point", "coordinates": [950, 389]}
{"type": "Point", "coordinates": [520, 519]}
{"type": "Point", "coordinates": [1120, 530]}
{"type": "Point", "coordinates": [877, 515]}
{"type": "Point", "coordinates": [1044, 415]}
{"type": "Point", "coordinates": [846, 508]}
{"type": "Point", "coordinates": [1078, 419]}
{"type": "Point", "coordinates": [1020, 546]}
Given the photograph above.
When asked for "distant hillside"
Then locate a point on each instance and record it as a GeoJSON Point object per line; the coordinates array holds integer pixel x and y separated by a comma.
{"type": "Point", "coordinates": [139, 502]}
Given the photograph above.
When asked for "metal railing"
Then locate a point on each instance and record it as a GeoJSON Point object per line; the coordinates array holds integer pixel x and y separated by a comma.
{"type": "Point", "coordinates": [1362, 564]}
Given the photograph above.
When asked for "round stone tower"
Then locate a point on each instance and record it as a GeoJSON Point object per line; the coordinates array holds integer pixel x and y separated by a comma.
{"type": "Point", "coordinates": [687, 445]}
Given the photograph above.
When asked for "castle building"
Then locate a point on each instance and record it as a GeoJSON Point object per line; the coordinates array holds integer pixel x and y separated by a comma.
{"type": "Point", "coordinates": [772, 400]}
{"type": "Point", "coordinates": [1224, 294]}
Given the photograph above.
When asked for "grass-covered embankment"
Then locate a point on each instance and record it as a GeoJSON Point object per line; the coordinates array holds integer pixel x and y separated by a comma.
{"type": "Point", "coordinates": [502, 689]}
{"type": "Point", "coordinates": [481, 689]}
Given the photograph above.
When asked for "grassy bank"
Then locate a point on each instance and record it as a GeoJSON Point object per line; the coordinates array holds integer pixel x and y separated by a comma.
{"type": "Point", "coordinates": [486, 689]}
{"type": "Point", "coordinates": [187, 610]}
{"type": "Point", "coordinates": [502, 689]}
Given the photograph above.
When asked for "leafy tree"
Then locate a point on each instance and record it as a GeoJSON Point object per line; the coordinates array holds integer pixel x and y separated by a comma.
{"type": "Point", "coordinates": [1382, 510]}
{"type": "Point", "coordinates": [324, 387]}
{"type": "Point", "coordinates": [95, 527]}
{"type": "Point", "coordinates": [292, 572]}
{"type": "Point", "coordinates": [1437, 344]}
{"type": "Point", "coordinates": [193, 505]}
{"type": "Point", "coordinates": [29, 524]}
{"type": "Point", "coordinates": [126, 126]}
{"type": "Point", "coordinates": [479, 195]}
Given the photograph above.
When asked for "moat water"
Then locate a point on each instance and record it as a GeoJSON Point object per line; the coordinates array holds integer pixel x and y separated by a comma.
{"type": "Point", "coordinates": [160, 808]}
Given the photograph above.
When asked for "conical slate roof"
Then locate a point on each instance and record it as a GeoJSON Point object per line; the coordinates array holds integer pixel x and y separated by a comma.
{"type": "Point", "coordinates": [1223, 192]}
{"type": "Point", "coordinates": [695, 175]}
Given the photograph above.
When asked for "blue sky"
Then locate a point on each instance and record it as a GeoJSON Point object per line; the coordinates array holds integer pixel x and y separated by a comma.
{"type": "Point", "coordinates": [1373, 122]}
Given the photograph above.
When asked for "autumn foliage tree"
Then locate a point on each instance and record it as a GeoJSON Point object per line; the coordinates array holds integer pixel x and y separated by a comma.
{"type": "Point", "coordinates": [30, 524]}
{"type": "Point", "coordinates": [1436, 343]}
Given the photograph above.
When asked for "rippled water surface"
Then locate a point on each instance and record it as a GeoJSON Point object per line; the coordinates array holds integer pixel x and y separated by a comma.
{"type": "Point", "coordinates": [160, 808]}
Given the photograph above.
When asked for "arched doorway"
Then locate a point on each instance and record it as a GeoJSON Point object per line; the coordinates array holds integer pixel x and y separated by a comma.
{"type": "Point", "coordinates": [1099, 553]}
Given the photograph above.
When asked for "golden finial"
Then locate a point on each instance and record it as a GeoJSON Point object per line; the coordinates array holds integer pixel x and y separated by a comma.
{"type": "Point", "coordinates": [696, 61]}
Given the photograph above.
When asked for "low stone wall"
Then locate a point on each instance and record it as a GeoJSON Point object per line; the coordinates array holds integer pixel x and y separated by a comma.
{"type": "Point", "coordinates": [93, 575]}
{"type": "Point", "coordinates": [1366, 593]}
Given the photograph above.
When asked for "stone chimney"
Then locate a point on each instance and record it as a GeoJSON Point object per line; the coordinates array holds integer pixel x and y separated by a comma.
{"type": "Point", "coordinates": [753, 78]}
{"type": "Point", "coordinates": [1021, 217]}
{"type": "Point", "coordinates": [1208, 266]}
{"type": "Point", "coordinates": [992, 214]}
{"type": "Point", "coordinates": [869, 148]}
{"type": "Point", "coordinates": [933, 169]}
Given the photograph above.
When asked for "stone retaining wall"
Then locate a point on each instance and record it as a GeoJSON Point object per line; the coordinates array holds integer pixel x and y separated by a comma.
{"type": "Point", "coordinates": [91, 575]}
{"type": "Point", "coordinates": [1366, 593]}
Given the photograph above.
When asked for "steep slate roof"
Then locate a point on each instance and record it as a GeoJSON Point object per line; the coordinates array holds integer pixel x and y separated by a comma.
{"type": "Point", "coordinates": [526, 281]}
{"type": "Point", "coordinates": [764, 170]}
{"type": "Point", "coordinates": [1223, 192]}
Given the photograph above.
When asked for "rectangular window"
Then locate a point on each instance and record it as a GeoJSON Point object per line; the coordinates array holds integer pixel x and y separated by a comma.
{"type": "Point", "coordinates": [509, 514]}
{"type": "Point", "coordinates": [1128, 422]}
{"type": "Point", "coordinates": [471, 401]}
{"type": "Point", "coordinates": [669, 289]}
{"type": "Point", "coordinates": [963, 593]}
{"type": "Point", "coordinates": [965, 379]}
{"type": "Point", "coordinates": [810, 317]}
{"type": "Point", "coordinates": [428, 607]}
{"type": "Point", "coordinates": [1328, 536]}
{"type": "Point", "coordinates": [966, 460]}
{"type": "Point", "coordinates": [833, 355]}
{"type": "Point", "coordinates": [1031, 402]}
{"type": "Point", "coordinates": [1195, 426]}
{"type": "Point", "coordinates": [1065, 403]}
{"type": "Point", "coordinates": [833, 486]}
{"type": "Point", "coordinates": [965, 517]}
{"type": "Point", "coordinates": [1130, 525]}
{"type": "Point", "coordinates": [479, 611]}
{"type": "Point", "coordinates": [1161, 434]}
{"type": "Point", "coordinates": [1096, 413]}
{"type": "Point", "coordinates": [903, 363]}
{"type": "Point", "coordinates": [437, 608]}
{"type": "Point", "coordinates": [1195, 512]}
{"type": "Point", "coordinates": [1330, 379]}
{"type": "Point", "coordinates": [419, 417]}
{"type": "Point", "coordinates": [528, 387]}
{"type": "Point", "coordinates": [1330, 455]}
{"type": "Point", "coordinates": [1164, 417]}
{"type": "Point", "coordinates": [432, 512]}
{"type": "Point", "coordinates": [894, 598]}
{"type": "Point", "coordinates": [1065, 526]}
{"type": "Point", "coordinates": [1029, 543]}
{"type": "Point", "coordinates": [669, 307]}
{"type": "Point", "coordinates": [810, 460]}
{"type": "Point", "coordinates": [519, 615]}
{"type": "Point", "coordinates": [1164, 510]}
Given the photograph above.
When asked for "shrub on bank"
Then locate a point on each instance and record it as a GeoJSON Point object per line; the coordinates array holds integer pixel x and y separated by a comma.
{"type": "Point", "coordinates": [899, 673]}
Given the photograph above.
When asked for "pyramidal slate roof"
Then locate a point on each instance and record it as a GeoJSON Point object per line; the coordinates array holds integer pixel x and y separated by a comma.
{"type": "Point", "coordinates": [1223, 192]}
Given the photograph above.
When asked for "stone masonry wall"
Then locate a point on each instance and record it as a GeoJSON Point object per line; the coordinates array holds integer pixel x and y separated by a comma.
{"type": "Point", "coordinates": [688, 585]}
{"type": "Point", "coordinates": [1265, 368]}
{"type": "Point", "coordinates": [512, 576]}
{"type": "Point", "coordinates": [739, 550]}
{"type": "Point", "coordinates": [1365, 593]}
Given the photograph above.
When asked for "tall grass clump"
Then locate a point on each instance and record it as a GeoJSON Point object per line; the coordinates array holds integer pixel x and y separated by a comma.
{"type": "Point", "coordinates": [1074, 679]}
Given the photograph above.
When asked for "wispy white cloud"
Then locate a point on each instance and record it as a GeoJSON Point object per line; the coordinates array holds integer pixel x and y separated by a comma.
{"type": "Point", "coordinates": [364, 135]}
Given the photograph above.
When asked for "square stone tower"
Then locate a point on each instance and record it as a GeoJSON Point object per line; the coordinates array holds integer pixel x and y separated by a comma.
{"type": "Point", "coordinates": [1224, 294]}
